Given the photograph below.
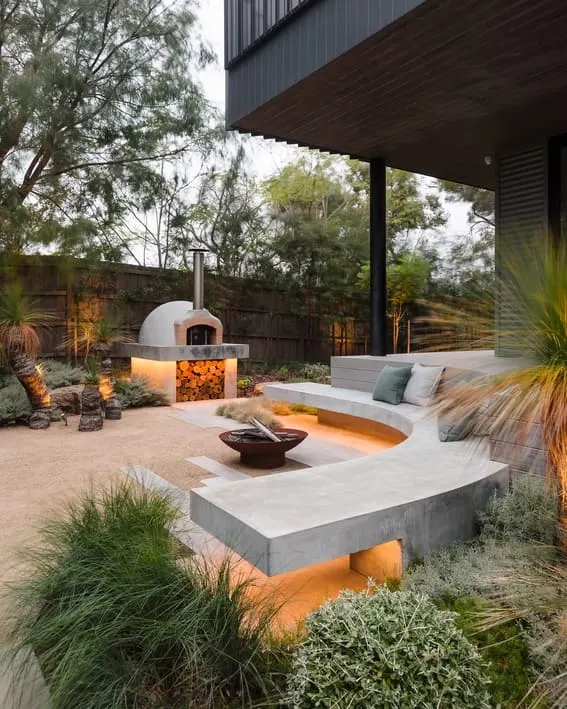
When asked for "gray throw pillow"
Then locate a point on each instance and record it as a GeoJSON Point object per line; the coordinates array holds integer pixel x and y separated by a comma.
{"type": "Point", "coordinates": [391, 384]}
{"type": "Point", "coordinates": [451, 430]}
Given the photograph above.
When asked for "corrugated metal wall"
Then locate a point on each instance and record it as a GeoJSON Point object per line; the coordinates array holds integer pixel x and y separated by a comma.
{"type": "Point", "coordinates": [326, 29]}
{"type": "Point", "coordinates": [521, 223]}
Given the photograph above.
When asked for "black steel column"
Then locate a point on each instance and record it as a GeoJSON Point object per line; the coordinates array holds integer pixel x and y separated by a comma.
{"type": "Point", "coordinates": [378, 301]}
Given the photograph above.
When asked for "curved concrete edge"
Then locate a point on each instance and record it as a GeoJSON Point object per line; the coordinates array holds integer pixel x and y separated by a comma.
{"type": "Point", "coordinates": [423, 526]}
{"type": "Point", "coordinates": [423, 492]}
{"type": "Point", "coordinates": [323, 396]}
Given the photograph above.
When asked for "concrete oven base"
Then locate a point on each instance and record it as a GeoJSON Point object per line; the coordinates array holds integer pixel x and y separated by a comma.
{"type": "Point", "coordinates": [176, 353]}
{"type": "Point", "coordinates": [159, 364]}
{"type": "Point", "coordinates": [162, 375]}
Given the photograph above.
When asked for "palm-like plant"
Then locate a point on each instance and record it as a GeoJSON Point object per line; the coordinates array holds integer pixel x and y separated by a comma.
{"type": "Point", "coordinates": [535, 290]}
{"type": "Point", "coordinates": [97, 336]}
{"type": "Point", "coordinates": [19, 342]}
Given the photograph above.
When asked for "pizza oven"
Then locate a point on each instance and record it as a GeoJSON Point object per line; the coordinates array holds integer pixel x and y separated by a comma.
{"type": "Point", "coordinates": [181, 349]}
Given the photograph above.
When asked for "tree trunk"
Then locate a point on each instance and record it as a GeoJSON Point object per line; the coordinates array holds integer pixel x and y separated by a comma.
{"type": "Point", "coordinates": [110, 401]}
{"type": "Point", "coordinates": [31, 379]}
{"type": "Point", "coordinates": [395, 333]}
{"type": "Point", "coordinates": [91, 410]}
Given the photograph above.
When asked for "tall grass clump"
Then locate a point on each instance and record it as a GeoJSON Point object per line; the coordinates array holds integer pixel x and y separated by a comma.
{"type": "Point", "coordinates": [119, 615]}
{"type": "Point", "coordinates": [534, 286]}
{"type": "Point", "coordinates": [245, 410]}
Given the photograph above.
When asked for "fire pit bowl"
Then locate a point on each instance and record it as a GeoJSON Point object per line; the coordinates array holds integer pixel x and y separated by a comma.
{"type": "Point", "coordinates": [258, 452]}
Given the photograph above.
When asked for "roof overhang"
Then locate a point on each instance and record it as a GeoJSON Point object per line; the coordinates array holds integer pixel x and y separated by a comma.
{"type": "Point", "coordinates": [437, 91]}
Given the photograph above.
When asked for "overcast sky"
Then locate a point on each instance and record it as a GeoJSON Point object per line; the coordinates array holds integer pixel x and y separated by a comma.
{"type": "Point", "coordinates": [267, 155]}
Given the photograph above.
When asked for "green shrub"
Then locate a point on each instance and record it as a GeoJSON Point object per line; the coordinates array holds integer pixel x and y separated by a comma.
{"type": "Point", "coordinates": [504, 648]}
{"type": "Point", "coordinates": [60, 374]}
{"type": "Point", "coordinates": [14, 404]}
{"type": "Point", "coordinates": [136, 391]}
{"type": "Point", "coordinates": [283, 372]}
{"type": "Point", "coordinates": [386, 650]}
{"type": "Point", "coordinates": [527, 513]}
{"type": "Point", "coordinates": [119, 616]}
{"type": "Point", "coordinates": [316, 372]}
{"type": "Point", "coordinates": [244, 383]}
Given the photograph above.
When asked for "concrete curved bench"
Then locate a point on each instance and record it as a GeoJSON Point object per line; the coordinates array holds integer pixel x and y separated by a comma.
{"type": "Point", "coordinates": [422, 493]}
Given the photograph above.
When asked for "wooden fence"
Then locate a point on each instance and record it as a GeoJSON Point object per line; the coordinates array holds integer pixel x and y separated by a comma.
{"type": "Point", "coordinates": [280, 326]}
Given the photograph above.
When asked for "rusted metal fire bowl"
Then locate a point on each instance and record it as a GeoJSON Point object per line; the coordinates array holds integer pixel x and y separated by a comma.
{"type": "Point", "coordinates": [261, 452]}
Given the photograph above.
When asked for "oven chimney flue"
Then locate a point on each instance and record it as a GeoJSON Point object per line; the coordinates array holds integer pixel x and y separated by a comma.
{"type": "Point", "coordinates": [198, 279]}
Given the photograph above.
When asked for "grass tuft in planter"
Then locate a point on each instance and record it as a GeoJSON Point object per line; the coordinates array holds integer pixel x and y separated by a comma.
{"type": "Point", "coordinates": [120, 616]}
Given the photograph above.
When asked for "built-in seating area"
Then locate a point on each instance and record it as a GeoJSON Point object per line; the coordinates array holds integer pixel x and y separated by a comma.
{"type": "Point", "coordinates": [384, 510]}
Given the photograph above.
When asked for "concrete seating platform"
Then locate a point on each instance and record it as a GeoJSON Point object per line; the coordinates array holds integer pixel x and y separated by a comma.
{"type": "Point", "coordinates": [421, 494]}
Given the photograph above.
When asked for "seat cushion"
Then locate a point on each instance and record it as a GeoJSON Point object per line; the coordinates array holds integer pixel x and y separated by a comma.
{"type": "Point", "coordinates": [391, 384]}
{"type": "Point", "coordinates": [422, 384]}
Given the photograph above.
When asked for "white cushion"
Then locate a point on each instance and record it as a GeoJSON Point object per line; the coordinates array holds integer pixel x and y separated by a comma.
{"type": "Point", "coordinates": [422, 384]}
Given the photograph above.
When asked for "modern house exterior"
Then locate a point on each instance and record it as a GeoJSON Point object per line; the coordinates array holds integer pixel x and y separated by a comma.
{"type": "Point", "coordinates": [473, 91]}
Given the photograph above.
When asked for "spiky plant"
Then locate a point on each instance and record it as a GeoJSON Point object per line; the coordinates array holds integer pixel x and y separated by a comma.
{"type": "Point", "coordinates": [516, 403]}
{"type": "Point", "coordinates": [98, 336]}
{"type": "Point", "coordinates": [19, 319]}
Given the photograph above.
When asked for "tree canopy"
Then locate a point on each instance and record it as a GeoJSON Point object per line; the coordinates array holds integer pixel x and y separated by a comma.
{"type": "Point", "coordinates": [91, 93]}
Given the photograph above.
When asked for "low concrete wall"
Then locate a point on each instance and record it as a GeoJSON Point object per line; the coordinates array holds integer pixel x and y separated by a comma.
{"type": "Point", "coordinates": [525, 454]}
{"type": "Point", "coordinates": [524, 450]}
{"type": "Point", "coordinates": [361, 372]}
{"type": "Point", "coordinates": [358, 373]}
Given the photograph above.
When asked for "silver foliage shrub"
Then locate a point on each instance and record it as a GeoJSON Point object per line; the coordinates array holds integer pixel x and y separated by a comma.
{"type": "Point", "coordinates": [527, 513]}
{"type": "Point", "coordinates": [136, 391]}
{"type": "Point", "coordinates": [386, 650]}
{"type": "Point", "coordinates": [470, 569]}
{"type": "Point", "coordinates": [60, 374]}
{"type": "Point", "coordinates": [316, 372]}
{"type": "Point", "coordinates": [14, 404]}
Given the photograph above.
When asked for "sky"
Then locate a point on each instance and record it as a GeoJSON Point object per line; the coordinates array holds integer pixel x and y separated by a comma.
{"type": "Point", "coordinates": [267, 156]}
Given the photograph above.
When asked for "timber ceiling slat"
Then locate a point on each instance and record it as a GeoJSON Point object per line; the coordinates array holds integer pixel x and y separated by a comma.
{"type": "Point", "coordinates": [430, 83]}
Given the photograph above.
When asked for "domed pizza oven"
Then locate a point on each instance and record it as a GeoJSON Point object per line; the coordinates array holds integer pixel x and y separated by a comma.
{"type": "Point", "coordinates": [181, 350]}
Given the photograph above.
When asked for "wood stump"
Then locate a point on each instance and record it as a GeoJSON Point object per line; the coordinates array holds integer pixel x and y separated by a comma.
{"type": "Point", "coordinates": [199, 380]}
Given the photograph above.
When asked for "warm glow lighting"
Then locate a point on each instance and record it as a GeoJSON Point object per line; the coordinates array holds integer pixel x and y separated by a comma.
{"type": "Point", "coordinates": [105, 387]}
{"type": "Point", "coordinates": [161, 375]}
{"type": "Point", "coordinates": [298, 593]}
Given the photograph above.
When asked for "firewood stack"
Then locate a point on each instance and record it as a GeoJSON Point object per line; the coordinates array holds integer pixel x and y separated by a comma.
{"type": "Point", "coordinates": [199, 380]}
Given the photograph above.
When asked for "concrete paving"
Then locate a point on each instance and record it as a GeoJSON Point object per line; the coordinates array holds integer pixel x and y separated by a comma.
{"type": "Point", "coordinates": [312, 451]}
{"type": "Point", "coordinates": [422, 492]}
{"type": "Point", "coordinates": [22, 685]}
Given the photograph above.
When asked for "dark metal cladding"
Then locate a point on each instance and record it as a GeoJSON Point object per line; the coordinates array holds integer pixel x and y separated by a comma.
{"type": "Point", "coordinates": [521, 222]}
{"type": "Point", "coordinates": [272, 44]}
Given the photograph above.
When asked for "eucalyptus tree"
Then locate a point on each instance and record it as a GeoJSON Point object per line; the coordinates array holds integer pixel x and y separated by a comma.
{"type": "Point", "coordinates": [91, 93]}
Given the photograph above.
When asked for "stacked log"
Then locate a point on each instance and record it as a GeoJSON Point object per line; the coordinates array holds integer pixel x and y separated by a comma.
{"type": "Point", "coordinates": [199, 380]}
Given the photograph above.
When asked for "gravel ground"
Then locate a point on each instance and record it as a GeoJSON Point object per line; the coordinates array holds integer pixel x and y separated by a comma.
{"type": "Point", "coordinates": [39, 470]}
